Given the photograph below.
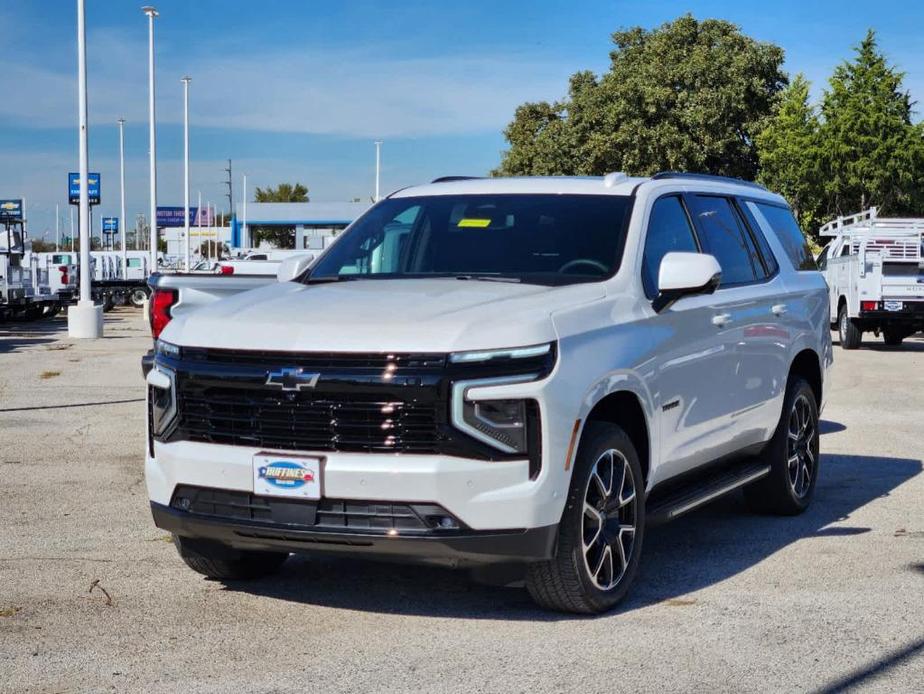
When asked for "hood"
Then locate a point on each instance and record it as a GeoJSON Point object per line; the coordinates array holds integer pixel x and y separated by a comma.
{"type": "Point", "coordinates": [413, 315]}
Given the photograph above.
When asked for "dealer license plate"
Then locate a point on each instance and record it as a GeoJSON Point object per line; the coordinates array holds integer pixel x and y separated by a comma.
{"type": "Point", "coordinates": [287, 475]}
{"type": "Point", "coordinates": [892, 305]}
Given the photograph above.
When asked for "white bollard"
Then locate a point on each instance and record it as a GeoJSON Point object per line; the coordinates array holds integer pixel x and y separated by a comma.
{"type": "Point", "coordinates": [85, 320]}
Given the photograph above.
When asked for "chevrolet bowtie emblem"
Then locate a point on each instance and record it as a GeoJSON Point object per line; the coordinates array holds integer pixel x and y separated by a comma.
{"type": "Point", "coordinates": [292, 379]}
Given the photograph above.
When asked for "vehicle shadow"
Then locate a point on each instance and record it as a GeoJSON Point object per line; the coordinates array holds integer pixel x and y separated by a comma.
{"type": "Point", "coordinates": [21, 335]}
{"type": "Point", "coordinates": [915, 343]}
{"type": "Point", "coordinates": [826, 426]}
{"type": "Point", "coordinates": [704, 548]}
{"type": "Point", "coordinates": [18, 343]}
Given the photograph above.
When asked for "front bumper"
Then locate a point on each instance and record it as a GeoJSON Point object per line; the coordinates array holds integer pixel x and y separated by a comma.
{"type": "Point", "coordinates": [483, 495]}
{"type": "Point", "coordinates": [460, 548]}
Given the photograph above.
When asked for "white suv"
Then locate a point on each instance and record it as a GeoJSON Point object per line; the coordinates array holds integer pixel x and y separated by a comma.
{"type": "Point", "coordinates": [512, 374]}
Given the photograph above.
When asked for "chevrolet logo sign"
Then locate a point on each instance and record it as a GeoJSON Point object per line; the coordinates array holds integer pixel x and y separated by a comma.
{"type": "Point", "coordinates": [292, 379]}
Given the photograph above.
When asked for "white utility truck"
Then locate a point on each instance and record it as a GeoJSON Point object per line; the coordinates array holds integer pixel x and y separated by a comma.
{"type": "Point", "coordinates": [874, 267]}
{"type": "Point", "coordinates": [24, 289]}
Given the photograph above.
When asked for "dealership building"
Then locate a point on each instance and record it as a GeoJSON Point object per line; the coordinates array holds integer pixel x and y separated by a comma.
{"type": "Point", "coordinates": [315, 223]}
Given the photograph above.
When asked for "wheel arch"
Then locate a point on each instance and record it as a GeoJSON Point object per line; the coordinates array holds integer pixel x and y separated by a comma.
{"type": "Point", "coordinates": [807, 364]}
{"type": "Point", "coordinates": [624, 408]}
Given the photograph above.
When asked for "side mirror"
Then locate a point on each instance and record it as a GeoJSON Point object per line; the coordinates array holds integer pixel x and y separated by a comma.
{"type": "Point", "coordinates": [290, 268]}
{"type": "Point", "coordinates": [685, 274]}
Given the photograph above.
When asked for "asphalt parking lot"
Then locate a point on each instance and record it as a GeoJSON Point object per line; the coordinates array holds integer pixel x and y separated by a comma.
{"type": "Point", "coordinates": [726, 601]}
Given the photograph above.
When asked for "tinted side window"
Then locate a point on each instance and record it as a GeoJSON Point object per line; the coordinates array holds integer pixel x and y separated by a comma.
{"type": "Point", "coordinates": [723, 237]}
{"type": "Point", "coordinates": [668, 230]}
{"type": "Point", "coordinates": [786, 228]}
{"type": "Point", "coordinates": [758, 234]}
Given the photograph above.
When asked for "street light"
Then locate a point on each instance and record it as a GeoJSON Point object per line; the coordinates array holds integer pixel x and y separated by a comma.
{"type": "Point", "coordinates": [123, 228]}
{"type": "Point", "coordinates": [199, 221]}
{"type": "Point", "coordinates": [85, 320]}
{"type": "Point", "coordinates": [378, 167]}
{"type": "Point", "coordinates": [186, 81]}
{"type": "Point", "coordinates": [152, 13]}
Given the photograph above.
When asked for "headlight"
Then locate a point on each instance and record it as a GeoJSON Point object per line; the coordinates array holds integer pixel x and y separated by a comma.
{"type": "Point", "coordinates": [500, 423]}
{"type": "Point", "coordinates": [492, 354]}
{"type": "Point", "coordinates": [504, 421]}
{"type": "Point", "coordinates": [166, 349]}
{"type": "Point", "coordinates": [162, 399]}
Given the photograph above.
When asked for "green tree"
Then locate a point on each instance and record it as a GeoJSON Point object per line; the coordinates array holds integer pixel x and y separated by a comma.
{"type": "Point", "coordinates": [278, 236]}
{"type": "Point", "coordinates": [284, 192]}
{"type": "Point", "coordinates": [790, 153]}
{"type": "Point", "coordinates": [872, 153]}
{"type": "Point", "coordinates": [687, 96]}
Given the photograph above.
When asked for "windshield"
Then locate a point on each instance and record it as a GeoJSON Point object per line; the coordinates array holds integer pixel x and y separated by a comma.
{"type": "Point", "coordinates": [541, 239]}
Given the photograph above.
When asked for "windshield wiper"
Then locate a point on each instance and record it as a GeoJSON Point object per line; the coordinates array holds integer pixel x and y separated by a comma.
{"type": "Point", "coordinates": [490, 278]}
{"type": "Point", "coordinates": [325, 280]}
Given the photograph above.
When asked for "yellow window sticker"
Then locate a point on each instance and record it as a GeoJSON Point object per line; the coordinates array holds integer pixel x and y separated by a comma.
{"type": "Point", "coordinates": [475, 223]}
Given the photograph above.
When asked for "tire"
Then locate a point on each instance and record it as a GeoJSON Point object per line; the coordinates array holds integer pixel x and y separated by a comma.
{"type": "Point", "coordinates": [793, 456]}
{"type": "Point", "coordinates": [850, 334]}
{"type": "Point", "coordinates": [893, 337]}
{"type": "Point", "coordinates": [137, 297]}
{"type": "Point", "coordinates": [33, 312]}
{"type": "Point", "coordinates": [588, 574]}
{"type": "Point", "coordinates": [221, 562]}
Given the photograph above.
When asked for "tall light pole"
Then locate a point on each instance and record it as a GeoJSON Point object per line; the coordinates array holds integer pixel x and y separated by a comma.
{"type": "Point", "coordinates": [244, 237]}
{"type": "Point", "coordinates": [378, 167]}
{"type": "Point", "coordinates": [152, 148]}
{"type": "Point", "coordinates": [85, 320]}
{"type": "Point", "coordinates": [199, 221]}
{"type": "Point", "coordinates": [186, 80]}
{"type": "Point", "coordinates": [57, 226]}
{"type": "Point", "coordinates": [72, 229]}
{"type": "Point", "coordinates": [123, 223]}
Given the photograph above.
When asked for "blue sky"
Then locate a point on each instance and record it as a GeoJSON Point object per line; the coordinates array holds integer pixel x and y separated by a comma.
{"type": "Point", "coordinates": [299, 90]}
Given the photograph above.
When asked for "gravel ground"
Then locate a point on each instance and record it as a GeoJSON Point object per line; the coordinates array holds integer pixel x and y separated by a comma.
{"type": "Point", "coordinates": [726, 601]}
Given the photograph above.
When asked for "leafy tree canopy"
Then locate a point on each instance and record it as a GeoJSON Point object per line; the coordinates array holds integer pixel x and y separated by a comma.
{"type": "Point", "coordinates": [284, 192]}
{"type": "Point", "coordinates": [790, 153]}
{"type": "Point", "coordinates": [872, 153]}
{"type": "Point", "coordinates": [690, 95]}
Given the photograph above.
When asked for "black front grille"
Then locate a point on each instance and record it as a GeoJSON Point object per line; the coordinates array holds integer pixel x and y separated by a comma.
{"type": "Point", "coordinates": [317, 361]}
{"type": "Point", "coordinates": [334, 515]}
{"type": "Point", "coordinates": [306, 420]}
{"type": "Point", "coordinates": [359, 402]}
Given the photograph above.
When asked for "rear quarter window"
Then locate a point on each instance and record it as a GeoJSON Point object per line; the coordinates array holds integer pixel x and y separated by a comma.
{"type": "Point", "coordinates": [780, 220]}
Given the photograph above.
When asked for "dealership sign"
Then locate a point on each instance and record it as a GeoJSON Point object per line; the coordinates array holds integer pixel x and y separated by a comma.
{"type": "Point", "coordinates": [174, 217]}
{"type": "Point", "coordinates": [11, 210]}
{"type": "Point", "coordinates": [73, 188]}
{"type": "Point", "coordinates": [110, 225]}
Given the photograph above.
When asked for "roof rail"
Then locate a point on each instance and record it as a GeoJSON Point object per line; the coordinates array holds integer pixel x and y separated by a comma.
{"type": "Point", "coordinates": [449, 179]}
{"type": "Point", "coordinates": [706, 177]}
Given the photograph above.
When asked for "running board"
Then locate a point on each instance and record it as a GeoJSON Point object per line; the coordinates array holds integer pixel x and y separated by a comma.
{"type": "Point", "coordinates": [702, 491]}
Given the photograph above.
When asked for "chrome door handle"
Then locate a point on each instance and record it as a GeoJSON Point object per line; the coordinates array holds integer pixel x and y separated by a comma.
{"type": "Point", "coordinates": [778, 309]}
{"type": "Point", "coordinates": [721, 319]}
